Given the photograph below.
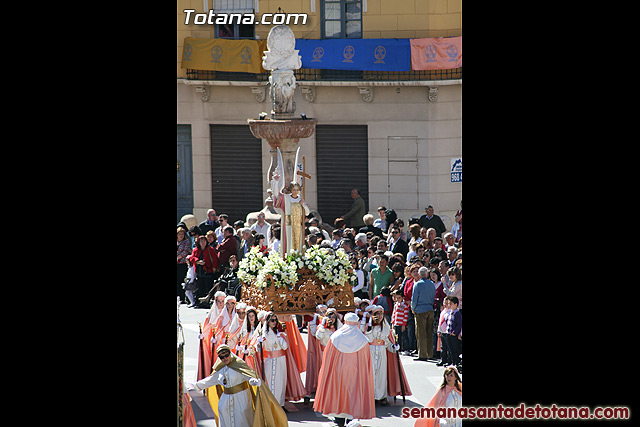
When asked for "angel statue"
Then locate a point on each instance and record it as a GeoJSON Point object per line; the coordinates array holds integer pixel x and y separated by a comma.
{"type": "Point", "coordinates": [292, 208]}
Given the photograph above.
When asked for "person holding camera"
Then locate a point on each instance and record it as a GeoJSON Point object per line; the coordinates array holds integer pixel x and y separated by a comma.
{"type": "Point", "coordinates": [328, 326]}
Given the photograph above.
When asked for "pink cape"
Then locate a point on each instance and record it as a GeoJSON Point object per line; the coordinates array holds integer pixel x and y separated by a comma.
{"type": "Point", "coordinates": [298, 349]}
{"type": "Point", "coordinates": [189, 420]}
{"type": "Point", "coordinates": [438, 400]}
{"type": "Point", "coordinates": [393, 376]}
{"type": "Point", "coordinates": [345, 385]}
{"type": "Point", "coordinates": [295, 389]}
{"type": "Point", "coordinates": [205, 361]}
{"type": "Point", "coordinates": [314, 362]}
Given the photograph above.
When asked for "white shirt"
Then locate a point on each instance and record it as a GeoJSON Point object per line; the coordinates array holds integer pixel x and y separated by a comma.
{"type": "Point", "coordinates": [381, 224]}
{"type": "Point", "coordinates": [262, 229]}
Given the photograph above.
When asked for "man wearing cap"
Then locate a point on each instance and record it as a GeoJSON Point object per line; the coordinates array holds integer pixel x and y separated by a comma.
{"type": "Point", "coordinates": [345, 385]}
{"type": "Point", "coordinates": [232, 398]}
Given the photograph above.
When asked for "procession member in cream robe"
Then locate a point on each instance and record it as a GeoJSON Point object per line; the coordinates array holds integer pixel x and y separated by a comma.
{"type": "Point", "coordinates": [227, 327]}
{"type": "Point", "coordinates": [206, 357]}
{"type": "Point", "coordinates": [328, 326]}
{"type": "Point", "coordinates": [234, 397]}
{"type": "Point", "coordinates": [249, 328]}
{"type": "Point", "coordinates": [345, 386]}
{"type": "Point", "coordinates": [219, 298]}
{"type": "Point", "coordinates": [378, 336]}
{"type": "Point", "coordinates": [293, 208]}
{"type": "Point", "coordinates": [274, 345]}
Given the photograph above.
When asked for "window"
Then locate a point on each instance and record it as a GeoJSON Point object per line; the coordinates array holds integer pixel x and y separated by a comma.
{"type": "Point", "coordinates": [234, 29]}
{"type": "Point", "coordinates": [341, 19]}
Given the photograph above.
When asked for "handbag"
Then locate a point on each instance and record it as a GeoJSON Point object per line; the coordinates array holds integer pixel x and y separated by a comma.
{"type": "Point", "coordinates": [190, 280]}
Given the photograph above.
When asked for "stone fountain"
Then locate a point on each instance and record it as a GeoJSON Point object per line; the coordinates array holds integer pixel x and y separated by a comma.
{"type": "Point", "coordinates": [282, 130]}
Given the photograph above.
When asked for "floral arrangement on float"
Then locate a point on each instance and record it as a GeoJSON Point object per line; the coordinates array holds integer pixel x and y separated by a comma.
{"type": "Point", "coordinates": [297, 283]}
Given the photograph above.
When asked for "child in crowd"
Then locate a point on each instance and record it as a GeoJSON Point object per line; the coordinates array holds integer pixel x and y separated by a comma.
{"type": "Point", "coordinates": [399, 319]}
{"type": "Point", "coordinates": [384, 299]}
{"type": "Point", "coordinates": [442, 329]}
{"type": "Point", "coordinates": [336, 235]}
{"type": "Point", "coordinates": [453, 319]}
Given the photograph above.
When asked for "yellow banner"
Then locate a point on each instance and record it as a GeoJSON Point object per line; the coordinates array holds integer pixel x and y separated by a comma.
{"type": "Point", "coordinates": [223, 55]}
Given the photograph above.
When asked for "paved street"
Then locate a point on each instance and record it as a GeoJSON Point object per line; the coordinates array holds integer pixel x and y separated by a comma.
{"type": "Point", "coordinates": [424, 378]}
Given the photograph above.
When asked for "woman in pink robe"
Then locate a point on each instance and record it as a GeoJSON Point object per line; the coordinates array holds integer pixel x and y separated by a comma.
{"type": "Point", "coordinates": [451, 384]}
{"type": "Point", "coordinates": [345, 386]}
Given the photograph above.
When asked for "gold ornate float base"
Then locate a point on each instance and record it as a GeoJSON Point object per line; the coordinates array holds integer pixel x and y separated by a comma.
{"type": "Point", "coordinates": [306, 294]}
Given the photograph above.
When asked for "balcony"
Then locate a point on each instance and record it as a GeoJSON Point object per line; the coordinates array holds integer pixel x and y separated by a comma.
{"type": "Point", "coordinates": [317, 76]}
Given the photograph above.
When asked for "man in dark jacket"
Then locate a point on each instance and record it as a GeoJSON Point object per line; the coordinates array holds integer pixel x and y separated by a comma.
{"type": "Point", "coordinates": [211, 223]}
{"type": "Point", "coordinates": [397, 244]}
{"type": "Point", "coordinates": [354, 216]}
{"type": "Point", "coordinates": [369, 227]}
{"type": "Point", "coordinates": [429, 220]}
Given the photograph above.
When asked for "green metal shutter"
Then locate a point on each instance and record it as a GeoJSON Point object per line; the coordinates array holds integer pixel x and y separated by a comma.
{"type": "Point", "coordinates": [185, 172]}
{"type": "Point", "coordinates": [342, 156]}
{"type": "Point", "coordinates": [237, 181]}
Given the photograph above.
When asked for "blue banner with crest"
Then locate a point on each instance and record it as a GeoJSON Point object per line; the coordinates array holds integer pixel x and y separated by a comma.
{"type": "Point", "coordinates": [356, 54]}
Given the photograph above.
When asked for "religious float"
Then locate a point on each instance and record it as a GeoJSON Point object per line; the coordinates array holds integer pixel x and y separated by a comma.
{"type": "Point", "coordinates": [297, 283]}
{"type": "Point", "coordinates": [291, 281]}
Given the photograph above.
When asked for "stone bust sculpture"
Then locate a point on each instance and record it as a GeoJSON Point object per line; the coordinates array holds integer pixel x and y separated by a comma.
{"type": "Point", "coordinates": [281, 54]}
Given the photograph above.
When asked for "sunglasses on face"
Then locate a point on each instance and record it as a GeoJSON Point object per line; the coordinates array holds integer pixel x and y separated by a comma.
{"type": "Point", "coordinates": [224, 355]}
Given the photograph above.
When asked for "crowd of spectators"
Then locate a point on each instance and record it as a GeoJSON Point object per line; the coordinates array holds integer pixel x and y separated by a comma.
{"type": "Point", "coordinates": [414, 273]}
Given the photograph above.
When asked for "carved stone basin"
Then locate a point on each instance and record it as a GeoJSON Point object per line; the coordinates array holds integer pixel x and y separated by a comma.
{"type": "Point", "coordinates": [274, 130]}
{"type": "Point", "coordinates": [285, 135]}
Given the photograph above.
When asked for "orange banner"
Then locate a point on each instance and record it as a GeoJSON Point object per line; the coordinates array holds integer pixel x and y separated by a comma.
{"type": "Point", "coordinates": [436, 53]}
{"type": "Point", "coordinates": [223, 55]}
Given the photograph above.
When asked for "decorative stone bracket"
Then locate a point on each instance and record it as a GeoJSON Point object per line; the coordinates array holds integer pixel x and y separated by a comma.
{"type": "Point", "coordinates": [259, 92]}
{"type": "Point", "coordinates": [309, 93]}
{"type": "Point", "coordinates": [204, 93]}
{"type": "Point", "coordinates": [433, 93]}
{"type": "Point", "coordinates": [366, 93]}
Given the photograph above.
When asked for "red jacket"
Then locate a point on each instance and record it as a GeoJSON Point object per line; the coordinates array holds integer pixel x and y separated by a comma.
{"type": "Point", "coordinates": [210, 258]}
{"type": "Point", "coordinates": [228, 247]}
{"type": "Point", "coordinates": [408, 290]}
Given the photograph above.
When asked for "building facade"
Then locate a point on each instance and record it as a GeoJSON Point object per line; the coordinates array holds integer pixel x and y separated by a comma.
{"type": "Point", "coordinates": [392, 134]}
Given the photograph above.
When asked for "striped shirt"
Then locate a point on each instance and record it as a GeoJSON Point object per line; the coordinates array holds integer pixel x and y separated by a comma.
{"type": "Point", "coordinates": [400, 314]}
